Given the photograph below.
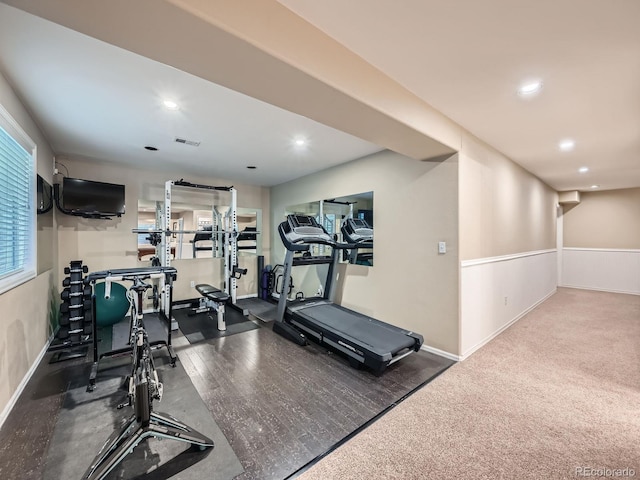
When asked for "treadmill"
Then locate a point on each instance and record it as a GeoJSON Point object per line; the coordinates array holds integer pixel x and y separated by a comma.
{"type": "Point", "coordinates": [365, 341]}
{"type": "Point", "coordinates": [358, 232]}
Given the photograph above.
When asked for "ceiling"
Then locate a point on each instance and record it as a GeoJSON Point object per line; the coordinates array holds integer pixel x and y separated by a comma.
{"type": "Point", "coordinates": [95, 101]}
{"type": "Point", "coordinates": [465, 58]}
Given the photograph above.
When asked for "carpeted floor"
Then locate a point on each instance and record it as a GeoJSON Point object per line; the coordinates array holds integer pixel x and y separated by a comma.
{"type": "Point", "coordinates": [555, 396]}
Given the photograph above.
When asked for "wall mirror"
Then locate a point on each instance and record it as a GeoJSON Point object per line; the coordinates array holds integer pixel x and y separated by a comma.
{"type": "Point", "coordinates": [203, 219]}
{"type": "Point", "coordinates": [350, 215]}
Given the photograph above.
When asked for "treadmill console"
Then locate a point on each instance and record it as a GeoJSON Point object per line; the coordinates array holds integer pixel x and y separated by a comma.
{"type": "Point", "coordinates": [303, 221]}
{"type": "Point", "coordinates": [303, 230]}
{"type": "Point", "coordinates": [357, 230]}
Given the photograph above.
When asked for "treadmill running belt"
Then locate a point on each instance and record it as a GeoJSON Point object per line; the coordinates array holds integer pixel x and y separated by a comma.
{"type": "Point", "coordinates": [379, 337]}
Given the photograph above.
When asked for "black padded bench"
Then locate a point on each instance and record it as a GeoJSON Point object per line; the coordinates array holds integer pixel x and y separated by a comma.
{"type": "Point", "coordinates": [215, 299]}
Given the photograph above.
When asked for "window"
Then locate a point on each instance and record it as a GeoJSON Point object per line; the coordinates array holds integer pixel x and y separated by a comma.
{"type": "Point", "coordinates": [17, 204]}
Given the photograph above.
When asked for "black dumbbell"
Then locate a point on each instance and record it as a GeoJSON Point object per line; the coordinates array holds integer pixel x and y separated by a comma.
{"type": "Point", "coordinates": [63, 333]}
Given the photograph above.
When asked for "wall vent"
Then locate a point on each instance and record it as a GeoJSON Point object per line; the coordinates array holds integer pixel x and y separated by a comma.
{"type": "Point", "coordinates": [187, 142]}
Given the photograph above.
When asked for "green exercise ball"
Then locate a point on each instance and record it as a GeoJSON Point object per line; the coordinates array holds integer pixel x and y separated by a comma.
{"type": "Point", "coordinates": [113, 309]}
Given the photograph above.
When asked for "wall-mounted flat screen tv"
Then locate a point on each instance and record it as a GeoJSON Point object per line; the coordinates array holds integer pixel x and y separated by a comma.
{"type": "Point", "coordinates": [87, 196]}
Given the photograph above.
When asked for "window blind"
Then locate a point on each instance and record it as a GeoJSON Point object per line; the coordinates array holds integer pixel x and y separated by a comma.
{"type": "Point", "coordinates": [16, 211]}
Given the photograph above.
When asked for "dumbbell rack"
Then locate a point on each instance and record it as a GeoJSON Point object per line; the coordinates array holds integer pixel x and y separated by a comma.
{"type": "Point", "coordinates": [76, 317]}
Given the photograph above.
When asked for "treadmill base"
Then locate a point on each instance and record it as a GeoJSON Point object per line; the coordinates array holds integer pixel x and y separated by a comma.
{"type": "Point", "coordinates": [290, 333]}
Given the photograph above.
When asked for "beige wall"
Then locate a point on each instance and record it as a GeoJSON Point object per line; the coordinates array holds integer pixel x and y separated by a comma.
{"type": "Point", "coordinates": [415, 206]}
{"type": "Point", "coordinates": [497, 208]}
{"type": "Point", "coordinates": [607, 219]}
{"type": "Point", "coordinates": [104, 244]}
{"type": "Point", "coordinates": [25, 308]}
{"type": "Point", "coordinates": [504, 209]}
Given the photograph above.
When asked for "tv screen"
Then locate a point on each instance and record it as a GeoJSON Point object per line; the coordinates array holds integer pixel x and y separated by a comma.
{"type": "Point", "coordinates": [86, 196]}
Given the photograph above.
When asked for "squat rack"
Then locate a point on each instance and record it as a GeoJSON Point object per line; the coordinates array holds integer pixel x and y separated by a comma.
{"type": "Point", "coordinates": [226, 224]}
{"type": "Point", "coordinates": [229, 229]}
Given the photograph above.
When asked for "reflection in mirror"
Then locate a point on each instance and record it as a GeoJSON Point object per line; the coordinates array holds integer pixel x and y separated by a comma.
{"type": "Point", "coordinates": [44, 225]}
{"type": "Point", "coordinates": [349, 219]}
{"type": "Point", "coordinates": [199, 224]}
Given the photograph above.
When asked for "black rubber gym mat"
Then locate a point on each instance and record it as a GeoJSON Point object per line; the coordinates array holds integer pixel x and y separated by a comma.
{"type": "Point", "coordinates": [86, 420]}
{"type": "Point", "coordinates": [201, 327]}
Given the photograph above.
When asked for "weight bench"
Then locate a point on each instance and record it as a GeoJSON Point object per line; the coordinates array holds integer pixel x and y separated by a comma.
{"type": "Point", "coordinates": [214, 299]}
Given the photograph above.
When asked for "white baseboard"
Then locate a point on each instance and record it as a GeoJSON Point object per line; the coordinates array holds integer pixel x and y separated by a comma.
{"type": "Point", "coordinates": [250, 295]}
{"type": "Point", "coordinates": [486, 340]}
{"type": "Point", "coordinates": [23, 383]}
{"type": "Point", "coordinates": [440, 353]}
{"type": "Point", "coordinates": [593, 289]}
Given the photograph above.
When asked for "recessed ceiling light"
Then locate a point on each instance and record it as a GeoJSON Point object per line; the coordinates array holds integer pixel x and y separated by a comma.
{"type": "Point", "coordinates": [530, 88]}
{"type": "Point", "coordinates": [567, 145]}
{"type": "Point", "coordinates": [151, 149]}
{"type": "Point", "coordinates": [170, 105]}
{"type": "Point", "coordinates": [595, 186]}
{"type": "Point", "coordinates": [583, 169]}
{"type": "Point", "coordinates": [251, 167]}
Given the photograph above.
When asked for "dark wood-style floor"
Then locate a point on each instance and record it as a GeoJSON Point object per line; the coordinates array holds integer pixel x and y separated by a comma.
{"type": "Point", "coordinates": [279, 405]}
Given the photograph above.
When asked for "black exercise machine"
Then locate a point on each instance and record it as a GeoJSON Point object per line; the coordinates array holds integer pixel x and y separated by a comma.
{"type": "Point", "coordinates": [364, 340]}
{"type": "Point", "coordinates": [359, 233]}
{"type": "Point", "coordinates": [166, 274]}
{"type": "Point", "coordinates": [144, 386]}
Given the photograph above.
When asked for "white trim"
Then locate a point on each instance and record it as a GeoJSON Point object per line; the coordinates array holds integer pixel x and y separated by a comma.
{"type": "Point", "coordinates": [483, 342]}
{"type": "Point", "coordinates": [440, 353]}
{"type": "Point", "coordinates": [29, 271]}
{"type": "Point", "coordinates": [559, 239]}
{"type": "Point", "coordinates": [504, 258]}
{"type": "Point", "coordinates": [616, 250]}
{"type": "Point", "coordinates": [626, 292]}
{"type": "Point", "coordinates": [23, 383]}
{"type": "Point", "coordinates": [15, 130]}
{"type": "Point", "coordinates": [493, 295]}
{"type": "Point", "coordinates": [605, 269]}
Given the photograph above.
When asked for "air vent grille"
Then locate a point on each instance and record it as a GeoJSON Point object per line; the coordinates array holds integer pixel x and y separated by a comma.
{"type": "Point", "coordinates": [187, 142]}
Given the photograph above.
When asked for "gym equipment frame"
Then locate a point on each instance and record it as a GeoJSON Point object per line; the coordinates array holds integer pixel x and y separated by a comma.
{"type": "Point", "coordinates": [144, 387]}
{"type": "Point", "coordinates": [226, 224]}
{"type": "Point", "coordinates": [167, 275]}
